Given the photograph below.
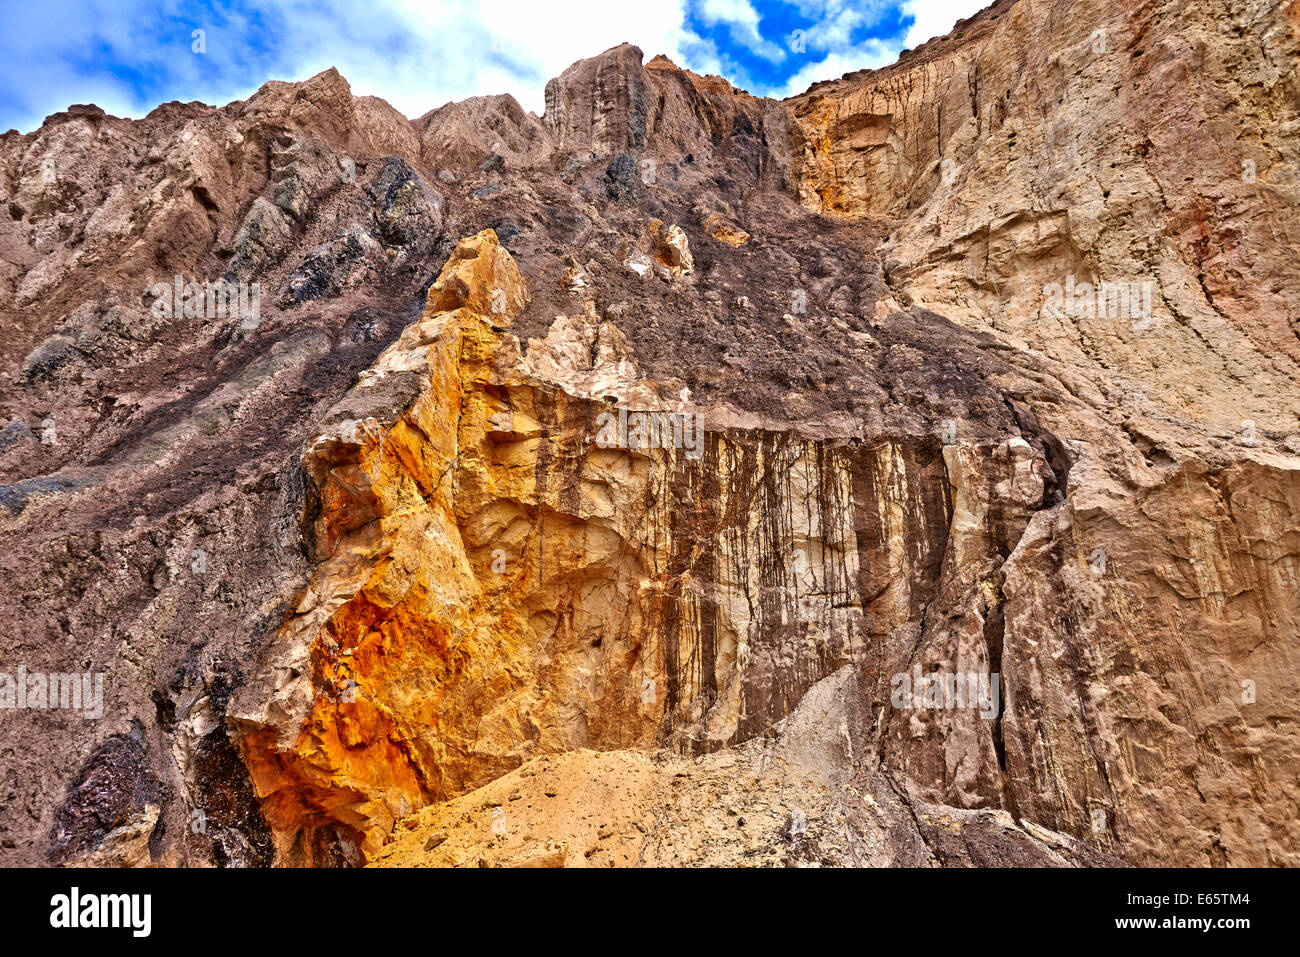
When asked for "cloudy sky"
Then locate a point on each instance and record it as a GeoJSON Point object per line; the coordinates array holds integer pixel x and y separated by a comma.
{"type": "Point", "coordinates": [128, 56]}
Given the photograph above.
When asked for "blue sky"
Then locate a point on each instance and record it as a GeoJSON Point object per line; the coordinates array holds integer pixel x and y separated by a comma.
{"type": "Point", "coordinates": [128, 56]}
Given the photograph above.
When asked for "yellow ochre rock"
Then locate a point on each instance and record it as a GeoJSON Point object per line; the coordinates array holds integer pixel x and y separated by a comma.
{"type": "Point", "coordinates": [497, 582]}
{"type": "Point", "coordinates": [672, 251]}
{"type": "Point", "coordinates": [725, 231]}
{"type": "Point", "coordinates": [482, 277]}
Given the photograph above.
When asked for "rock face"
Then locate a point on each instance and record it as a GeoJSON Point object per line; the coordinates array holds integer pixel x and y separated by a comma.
{"type": "Point", "coordinates": [1131, 145]}
{"type": "Point", "coordinates": [907, 473]}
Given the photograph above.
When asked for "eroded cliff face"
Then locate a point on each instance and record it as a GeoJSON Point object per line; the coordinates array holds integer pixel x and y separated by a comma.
{"type": "Point", "coordinates": [495, 585]}
{"type": "Point", "coordinates": [630, 485]}
{"type": "Point", "coordinates": [1148, 144]}
{"type": "Point", "coordinates": [1129, 143]}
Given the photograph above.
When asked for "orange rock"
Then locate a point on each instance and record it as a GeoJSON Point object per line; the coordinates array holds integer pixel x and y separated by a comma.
{"type": "Point", "coordinates": [672, 251]}
{"type": "Point", "coordinates": [725, 231]}
{"type": "Point", "coordinates": [480, 276]}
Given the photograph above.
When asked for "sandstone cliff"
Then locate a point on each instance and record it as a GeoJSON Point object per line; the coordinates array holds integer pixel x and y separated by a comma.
{"type": "Point", "coordinates": [583, 487]}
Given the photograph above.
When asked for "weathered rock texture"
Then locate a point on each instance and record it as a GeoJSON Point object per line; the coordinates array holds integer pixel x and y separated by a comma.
{"type": "Point", "coordinates": [369, 582]}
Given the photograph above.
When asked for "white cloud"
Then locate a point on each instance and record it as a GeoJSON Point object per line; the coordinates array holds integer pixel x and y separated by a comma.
{"type": "Point", "coordinates": [742, 20]}
{"type": "Point", "coordinates": [415, 56]}
{"type": "Point", "coordinates": [475, 47]}
{"type": "Point", "coordinates": [738, 12]}
{"type": "Point", "coordinates": [835, 20]}
{"type": "Point", "coordinates": [868, 56]}
{"type": "Point", "coordinates": [934, 18]}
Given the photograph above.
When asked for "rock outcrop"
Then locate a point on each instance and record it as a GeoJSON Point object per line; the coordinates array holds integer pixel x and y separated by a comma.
{"type": "Point", "coordinates": [906, 473]}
